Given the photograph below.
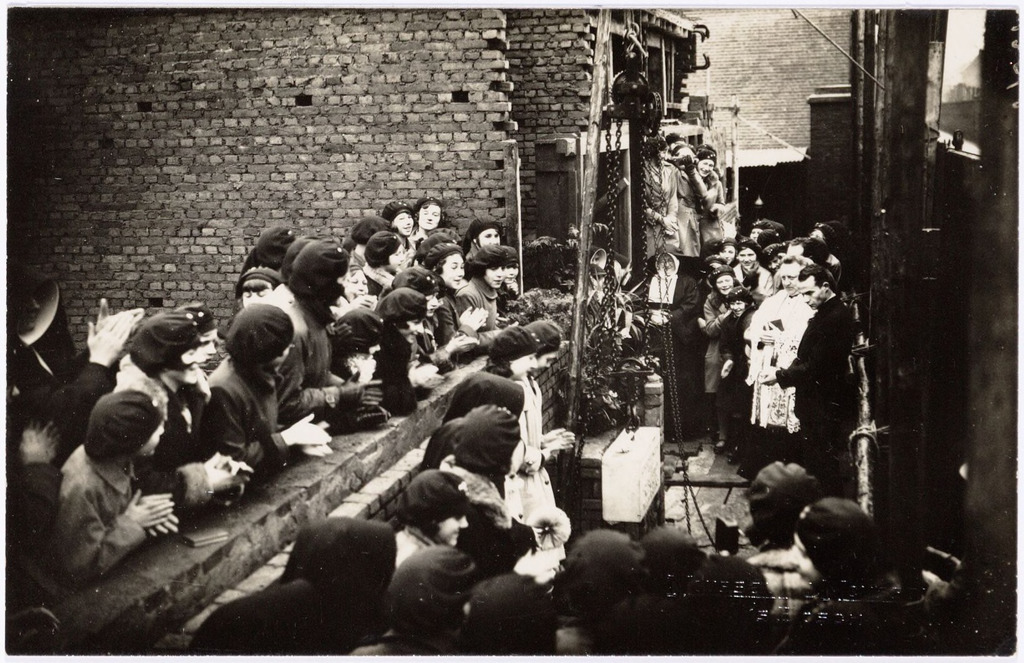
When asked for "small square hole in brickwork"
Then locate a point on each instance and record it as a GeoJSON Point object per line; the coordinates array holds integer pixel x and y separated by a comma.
{"type": "Point", "coordinates": [145, 106]}
{"type": "Point", "coordinates": [460, 97]}
{"type": "Point", "coordinates": [156, 302]}
{"type": "Point", "coordinates": [106, 143]}
{"type": "Point", "coordinates": [304, 100]}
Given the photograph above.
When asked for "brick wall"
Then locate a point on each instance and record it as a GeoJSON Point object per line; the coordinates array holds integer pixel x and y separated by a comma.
{"type": "Point", "coordinates": [830, 189]}
{"type": "Point", "coordinates": [147, 149]}
{"type": "Point", "coordinates": [770, 61]}
{"type": "Point", "coordinates": [551, 57]}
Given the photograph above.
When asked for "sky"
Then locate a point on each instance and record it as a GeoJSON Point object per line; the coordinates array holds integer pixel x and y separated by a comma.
{"type": "Point", "coordinates": [965, 31]}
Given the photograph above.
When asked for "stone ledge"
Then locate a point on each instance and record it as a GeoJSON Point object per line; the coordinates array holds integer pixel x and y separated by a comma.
{"type": "Point", "coordinates": [167, 582]}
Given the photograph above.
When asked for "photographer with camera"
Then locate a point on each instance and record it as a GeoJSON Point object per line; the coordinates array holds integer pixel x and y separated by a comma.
{"type": "Point", "coordinates": [694, 197]}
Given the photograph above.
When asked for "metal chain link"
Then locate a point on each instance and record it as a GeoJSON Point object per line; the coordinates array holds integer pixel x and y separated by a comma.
{"type": "Point", "coordinates": [600, 328]}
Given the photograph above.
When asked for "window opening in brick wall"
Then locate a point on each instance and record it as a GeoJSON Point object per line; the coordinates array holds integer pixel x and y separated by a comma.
{"type": "Point", "coordinates": [304, 100]}
{"type": "Point", "coordinates": [460, 97]}
{"type": "Point", "coordinates": [156, 302]}
{"type": "Point", "coordinates": [145, 106]}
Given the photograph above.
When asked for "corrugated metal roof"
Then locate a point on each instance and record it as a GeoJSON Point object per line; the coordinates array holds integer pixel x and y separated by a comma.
{"type": "Point", "coordinates": [769, 156]}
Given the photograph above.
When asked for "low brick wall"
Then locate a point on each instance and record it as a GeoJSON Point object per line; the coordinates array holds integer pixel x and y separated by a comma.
{"type": "Point", "coordinates": [167, 582]}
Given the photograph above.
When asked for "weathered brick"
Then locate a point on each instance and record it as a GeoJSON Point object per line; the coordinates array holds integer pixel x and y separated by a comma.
{"type": "Point", "coordinates": [223, 151]}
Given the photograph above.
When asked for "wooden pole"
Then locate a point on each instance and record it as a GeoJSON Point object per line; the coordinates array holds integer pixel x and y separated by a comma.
{"type": "Point", "coordinates": [735, 155]}
{"type": "Point", "coordinates": [899, 309]}
{"type": "Point", "coordinates": [598, 91]}
{"type": "Point", "coordinates": [513, 204]}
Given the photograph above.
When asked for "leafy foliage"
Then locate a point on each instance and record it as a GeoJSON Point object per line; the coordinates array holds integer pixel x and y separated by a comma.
{"type": "Point", "coordinates": [542, 303]}
{"type": "Point", "coordinates": [550, 264]}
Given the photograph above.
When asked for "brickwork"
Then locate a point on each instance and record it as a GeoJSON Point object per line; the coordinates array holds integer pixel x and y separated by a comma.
{"type": "Point", "coordinates": [771, 60]}
{"type": "Point", "coordinates": [554, 387]}
{"type": "Point", "coordinates": [551, 57]}
{"type": "Point", "coordinates": [149, 148]}
{"type": "Point", "coordinates": [829, 191]}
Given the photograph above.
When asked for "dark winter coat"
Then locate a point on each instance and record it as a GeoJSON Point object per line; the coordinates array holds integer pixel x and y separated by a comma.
{"type": "Point", "coordinates": [241, 419]}
{"type": "Point", "coordinates": [820, 369]}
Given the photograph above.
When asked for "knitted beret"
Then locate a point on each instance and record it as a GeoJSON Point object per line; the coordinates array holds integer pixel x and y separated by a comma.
{"type": "Point", "coordinates": [367, 227]}
{"type": "Point", "coordinates": [777, 495]}
{"type": "Point", "coordinates": [271, 276]}
{"type": "Point", "coordinates": [547, 333]}
{"type": "Point", "coordinates": [121, 423]}
{"type": "Point", "coordinates": [840, 539]}
{"type": "Point", "coordinates": [402, 305]}
{"type": "Point", "coordinates": [394, 208]}
{"type": "Point", "coordinates": [160, 340]}
{"type": "Point", "coordinates": [419, 279]}
{"type": "Point", "coordinates": [204, 316]}
{"type": "Point", "coordinates": [316, 270]}
{"type": "Point", "coordinates": [259, 333]}
{"type": "Point", "coordinates": [512, 343]}
{"type": "Point", "coordinates": [380, 247]}
{"type": "Point", "coordinates": [487, 437]}
{"type": "Point", "coordinates": [432, 496]}
{"type": "Point", "coordinates": [437, 254]}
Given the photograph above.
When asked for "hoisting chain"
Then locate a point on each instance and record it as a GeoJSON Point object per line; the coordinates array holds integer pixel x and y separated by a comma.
{"type": "Point", "coordinates": [601, 327]}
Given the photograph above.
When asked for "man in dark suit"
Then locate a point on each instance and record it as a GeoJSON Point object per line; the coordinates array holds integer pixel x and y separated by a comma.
{"type": "Point", "coordinates": [824, 397]}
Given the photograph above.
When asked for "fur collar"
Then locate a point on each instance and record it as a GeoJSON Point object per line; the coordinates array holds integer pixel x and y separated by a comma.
{"type": "Point", "coordinates": [482, 493]}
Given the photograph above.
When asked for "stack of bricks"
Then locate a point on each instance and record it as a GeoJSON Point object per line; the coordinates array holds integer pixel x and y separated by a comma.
{"type": "Point", "coordinates": [551, 57]}
{"type": "Point", "coordinates": [150, 148]}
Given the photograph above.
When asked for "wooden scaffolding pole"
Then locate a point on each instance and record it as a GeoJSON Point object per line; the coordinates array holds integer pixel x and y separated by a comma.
{"type": "Point", "coordinates": [598, 92]}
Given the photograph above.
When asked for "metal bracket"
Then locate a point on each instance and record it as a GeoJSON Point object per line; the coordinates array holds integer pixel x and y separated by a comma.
{"type": "Point", "coordinates": [703, 31]}
{"type": "Point", "coordinates": [706, 65]}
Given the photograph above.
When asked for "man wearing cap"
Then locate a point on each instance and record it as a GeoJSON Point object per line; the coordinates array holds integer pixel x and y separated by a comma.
{"type": "Point", "coordinates": [307, 384]}
{"type": "Point", "coordinates": [432, 511]}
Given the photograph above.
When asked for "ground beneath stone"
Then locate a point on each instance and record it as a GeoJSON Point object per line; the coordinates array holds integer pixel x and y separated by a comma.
{"type": "Point", "coordinates": [704, 503]}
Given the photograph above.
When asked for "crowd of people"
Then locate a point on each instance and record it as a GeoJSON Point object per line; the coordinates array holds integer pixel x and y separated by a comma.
{"type": "Point", "coordinates": [760, 336]}
{"type": "Point", "coordinates": [129, 439]}
{"type": "Point", "coordinates": [166, 415]}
